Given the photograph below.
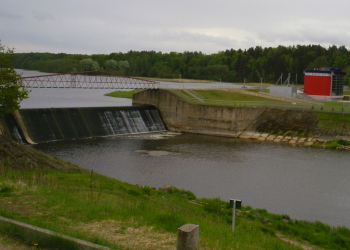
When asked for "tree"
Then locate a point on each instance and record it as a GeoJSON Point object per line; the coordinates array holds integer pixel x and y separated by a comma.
{"type": "Point", "coordinates": [88, 64]}
{"type": "Point", "coordinates": [111, 65]}
{"type": "Point", "coordinates": [12, 90]}
{"type": "Point", "coordinates": [123, 67]}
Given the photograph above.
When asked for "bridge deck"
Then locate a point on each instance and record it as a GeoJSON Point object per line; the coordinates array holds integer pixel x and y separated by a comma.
{"type": "Point", "coordinates": [88, 80]}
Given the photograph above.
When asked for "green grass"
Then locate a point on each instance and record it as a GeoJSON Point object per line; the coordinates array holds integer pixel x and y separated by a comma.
{"type": "Point", "coordinates": [346, 92]}
{"type": "Point", "coordinates": [57, 200]}
{"type": "Point", "coordinates": [332, 121]}
{"type": "Point", "coordinates": [72, 202]}
{"type": "Point", "coordinates": [336, 143]}
{"type": "Point", "coordinates": [333, 103]}
{"type": "Point", "coordinates": [75, 202]}
{"type": "Point", "coordinates": [123, 94]}
{"type": "Point", "coordinates": [230, 96]}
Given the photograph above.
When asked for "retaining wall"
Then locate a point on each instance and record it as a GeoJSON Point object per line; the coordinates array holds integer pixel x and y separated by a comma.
{"type": "Point", "coordinates": [203, 119]}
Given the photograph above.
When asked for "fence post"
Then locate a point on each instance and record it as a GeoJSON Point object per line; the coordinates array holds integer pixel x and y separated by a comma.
{"type": "Point", "coordinates": [187, 237]}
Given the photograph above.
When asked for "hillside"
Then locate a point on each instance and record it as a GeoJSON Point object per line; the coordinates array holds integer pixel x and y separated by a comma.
{"type": "Point", "coordinates": [44, 191]}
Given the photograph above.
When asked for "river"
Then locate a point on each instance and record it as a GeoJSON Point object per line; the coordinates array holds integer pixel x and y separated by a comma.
{"type": "Point", "coordinates": [305, 183]}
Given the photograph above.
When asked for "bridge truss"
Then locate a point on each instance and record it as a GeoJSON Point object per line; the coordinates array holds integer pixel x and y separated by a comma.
{"type": "Point", "coordinates": [88, 80]}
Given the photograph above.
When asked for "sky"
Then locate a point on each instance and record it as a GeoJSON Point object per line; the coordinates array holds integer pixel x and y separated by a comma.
{"type": "Point", "coordinates": [108, 26]}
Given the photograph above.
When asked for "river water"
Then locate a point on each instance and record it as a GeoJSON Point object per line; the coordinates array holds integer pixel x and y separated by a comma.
{"type": "Point", "coordinates": [305, 183]}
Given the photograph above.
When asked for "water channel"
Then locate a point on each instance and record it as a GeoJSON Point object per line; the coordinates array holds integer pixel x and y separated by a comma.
{"type": "Point", "coordinates": [305, 183]}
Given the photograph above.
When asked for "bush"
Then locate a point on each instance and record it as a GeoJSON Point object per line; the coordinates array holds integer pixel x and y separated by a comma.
{"type": "Point", "coordinates": [332, 144]}
{"type": "Point", "coordinates": [343, 142]}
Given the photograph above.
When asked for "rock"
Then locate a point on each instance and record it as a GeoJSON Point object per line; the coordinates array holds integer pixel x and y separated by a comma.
{"type": "Point", "coordinates": [265, 220]}
{"type": "Point", "coordinates": [285, 221]}
{"type": "Point", "coordinates": [257, 215]}
{"type": "Point", "coordinates": [166, 188]}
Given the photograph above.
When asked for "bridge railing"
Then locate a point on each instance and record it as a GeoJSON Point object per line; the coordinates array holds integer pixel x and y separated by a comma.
{"type": "Point", "coordinates": [88, 80]}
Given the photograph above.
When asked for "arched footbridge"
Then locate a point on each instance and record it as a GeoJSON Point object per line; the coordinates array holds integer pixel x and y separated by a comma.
{"type": "Point", "coordinates": [88, 80]}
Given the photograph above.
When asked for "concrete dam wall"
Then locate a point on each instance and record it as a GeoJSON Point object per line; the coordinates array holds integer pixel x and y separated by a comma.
{"type": "Point", "coordinates": [203, 119]}
{"type": "Point", "coordinates": [244, 122]}
{"type": "Point", "coordinates": [42, 125]}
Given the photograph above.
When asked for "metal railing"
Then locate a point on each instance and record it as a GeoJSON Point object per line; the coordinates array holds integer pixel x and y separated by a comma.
{"type": "Point", "coordinates": [345, 109]}
{"type": "Point", "coordinates": [195, 94]}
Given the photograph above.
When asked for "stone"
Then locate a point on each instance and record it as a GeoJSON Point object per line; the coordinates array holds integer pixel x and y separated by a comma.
{"type": "Point", "coordinates": [246, 135]}
{"type": "Point", "coordinates": [257, 215]}
{"type": "Point", "coordinates": [285, 221]}
{"type": "Point", "coordinates": [166, 188]}
{"type": "Point", "coordinates": [187, 237]}
{"type": "Point", "coordinates": [265, 220]}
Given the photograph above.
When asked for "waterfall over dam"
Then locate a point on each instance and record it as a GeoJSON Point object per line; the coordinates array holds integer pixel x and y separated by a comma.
{"type": "Point", "coordinates": [42, 125]}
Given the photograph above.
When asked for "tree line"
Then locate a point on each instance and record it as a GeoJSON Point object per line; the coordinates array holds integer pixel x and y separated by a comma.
{"type": "Point", "coordinates": [251, 65]}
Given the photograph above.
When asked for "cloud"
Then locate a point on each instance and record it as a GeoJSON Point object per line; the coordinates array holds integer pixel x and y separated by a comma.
{"type": "Point", "coordinates": [42, 16]}
{"type": "Point", "coordinates": [184, 25]}
{"type": "Point", "coordinates": [10, 15]}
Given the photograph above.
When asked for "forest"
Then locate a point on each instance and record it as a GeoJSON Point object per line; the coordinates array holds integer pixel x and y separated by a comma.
{"type": "Point", "coordinates": [250, 65]}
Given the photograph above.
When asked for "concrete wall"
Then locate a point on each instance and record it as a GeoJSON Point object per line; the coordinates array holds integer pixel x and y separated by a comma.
{"type": "Point", "coordinates": [203, 119]}
{"type": "Point", "coordinates": [42, 125]}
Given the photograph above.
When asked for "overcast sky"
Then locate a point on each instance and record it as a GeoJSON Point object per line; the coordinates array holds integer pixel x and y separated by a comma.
{"type": "Point", "coordinates": [106, 26]}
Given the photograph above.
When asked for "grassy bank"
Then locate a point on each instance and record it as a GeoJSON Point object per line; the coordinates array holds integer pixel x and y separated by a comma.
{"type": "Point", "coordinates": [44, 191]}
{"type": "Point", "coordinates": [215, 94]}
{"type": "Point", "coordinates": [332, 121]}
{"type": "Point", "coordinates": [123, 94]}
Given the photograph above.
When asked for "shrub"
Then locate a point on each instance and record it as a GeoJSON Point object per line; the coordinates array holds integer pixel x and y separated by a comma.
{"type": "Point", "coordinates": [343, 142]}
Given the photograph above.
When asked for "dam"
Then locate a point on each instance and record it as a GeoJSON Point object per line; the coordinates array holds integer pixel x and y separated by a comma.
{"type": "Point", "coordinates": [279, 177]}
{"type": "Point", "coordinates": [43, 125]}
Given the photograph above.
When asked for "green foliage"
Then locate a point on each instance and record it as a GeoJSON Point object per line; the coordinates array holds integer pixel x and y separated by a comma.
{"type": "Point", "coordinates": [215, 206]}
{"type": "Point", "coordinates": [88, 65]}
{"type": "Point", "coordinates": [123, 67]}
{"type": "Point", "coordinates": [337, 143]}
{"type": "Point", "coordinates": [343, 142]}
{"type": "Point", "coordinates": [12, 90]}
{"type": "Point", "coordinates": [183, 193]}
{"type": "Point", "coordinates": [111, 66]}
{"type": "Point", "coordinates": [229, 65]}
{"type": "Point", "coordinates": [5, 190]}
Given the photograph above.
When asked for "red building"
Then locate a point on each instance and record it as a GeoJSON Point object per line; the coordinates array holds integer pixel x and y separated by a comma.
{"type": "Point", "coordinates": [327, 82]}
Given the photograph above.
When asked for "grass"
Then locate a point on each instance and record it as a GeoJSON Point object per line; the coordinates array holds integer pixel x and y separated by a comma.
{"type": "Point", "coordinates": [105, 211]}
{"type": "Point", "coordinates": [337, 143]}
{"type": "Point", "coordinates": [182, 80]}
{"type": "Point", "coordinates": [332, 121]}
{"type": "Point", "coordinates": [230, 96]}
{"type": "Point", "coordinates": [346, 92]}
{"type": "Point", "coordinates": [98, 209]}
{"type": "Point", "coordinates": [123, 94]}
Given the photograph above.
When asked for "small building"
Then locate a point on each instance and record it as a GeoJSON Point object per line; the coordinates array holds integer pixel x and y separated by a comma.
{"type": "Point", "coordinates": [324, 83]}
{"type": "Point", "coordinates": [286, 91]}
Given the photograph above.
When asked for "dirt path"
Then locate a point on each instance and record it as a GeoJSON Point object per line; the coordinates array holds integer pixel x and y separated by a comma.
{"type": "Point", "coordinates": [304, 246]}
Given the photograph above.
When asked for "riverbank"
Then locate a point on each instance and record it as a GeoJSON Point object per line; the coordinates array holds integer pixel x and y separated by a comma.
{"type": "Point", "coordinates": [44, 191]}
